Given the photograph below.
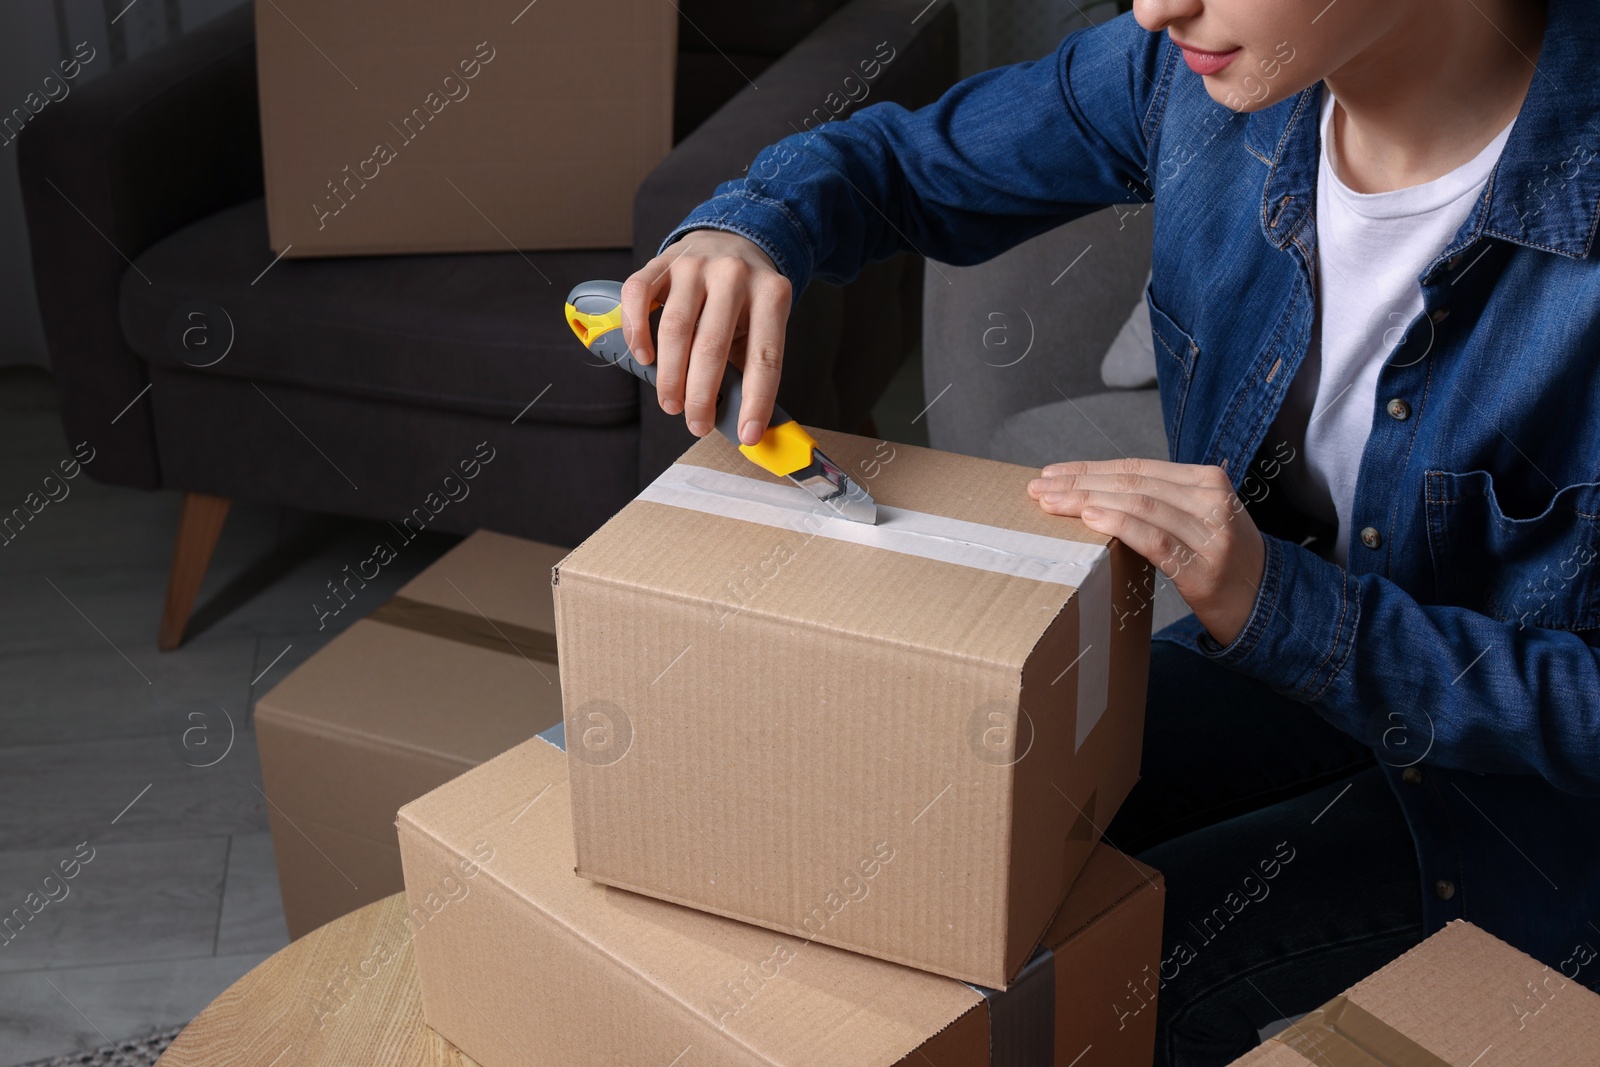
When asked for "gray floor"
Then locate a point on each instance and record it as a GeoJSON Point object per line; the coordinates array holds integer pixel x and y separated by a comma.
{"type": "Point", "coordinates": [111, 750]}
{"type": "Point", "coordinates": [145, 761]}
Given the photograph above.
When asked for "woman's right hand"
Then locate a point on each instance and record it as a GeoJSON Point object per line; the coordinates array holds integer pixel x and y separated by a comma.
{"type": "Point", "coordinates": [723, 300]}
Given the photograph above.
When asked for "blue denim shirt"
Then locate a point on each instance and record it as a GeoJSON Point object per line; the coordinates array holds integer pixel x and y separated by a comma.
{"type": "Point", "coordinates": [1463, 641]}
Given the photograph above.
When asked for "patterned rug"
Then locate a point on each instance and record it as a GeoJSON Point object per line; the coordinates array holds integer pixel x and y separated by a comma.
{"type": "Point", "coordinates": [135, 1051]}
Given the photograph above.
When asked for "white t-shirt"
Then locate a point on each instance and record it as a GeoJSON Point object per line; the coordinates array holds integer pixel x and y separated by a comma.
{"type": "Point", "coordinates": [1371, 249]}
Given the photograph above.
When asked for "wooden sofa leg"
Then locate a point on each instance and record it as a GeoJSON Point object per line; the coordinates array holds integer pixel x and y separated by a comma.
{"type": "Point", "coordinates": [199, 526]}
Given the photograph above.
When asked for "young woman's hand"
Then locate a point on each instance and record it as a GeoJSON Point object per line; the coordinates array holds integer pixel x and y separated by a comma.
{"type": "Point", "coordinates": [722, 299]}
{"type": "Point", "coordinates": [1182, 517]}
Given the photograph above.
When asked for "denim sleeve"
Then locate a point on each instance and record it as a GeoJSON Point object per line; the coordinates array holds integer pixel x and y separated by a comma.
{"type": "Point", "coordinates": [1458, 687]}
{"type": "Point", "coordinates": [1002, 156]}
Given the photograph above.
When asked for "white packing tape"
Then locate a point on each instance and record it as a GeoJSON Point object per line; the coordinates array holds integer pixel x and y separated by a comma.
{"type": "Point", "coordinates": [1085, 567]}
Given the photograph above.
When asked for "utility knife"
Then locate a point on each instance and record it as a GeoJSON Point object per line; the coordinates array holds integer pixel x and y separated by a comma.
{"type": "Point", "coordinates": [594, 311]}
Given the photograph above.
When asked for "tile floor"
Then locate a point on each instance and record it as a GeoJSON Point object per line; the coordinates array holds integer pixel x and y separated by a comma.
{"type": "Point", "coordinates": [139, 765]}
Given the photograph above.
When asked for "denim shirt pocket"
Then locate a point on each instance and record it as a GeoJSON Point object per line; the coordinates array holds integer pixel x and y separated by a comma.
{"type": "Point", "coordinates": [1538, 571]}
{"type": "Point", "coordinates": [1176, 353]}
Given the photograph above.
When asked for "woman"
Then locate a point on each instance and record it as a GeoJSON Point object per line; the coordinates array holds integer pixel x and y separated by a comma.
{"type": "Point", "coordinates": [1374, 293]}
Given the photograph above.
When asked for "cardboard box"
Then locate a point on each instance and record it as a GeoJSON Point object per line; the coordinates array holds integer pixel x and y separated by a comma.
{"type": "Point", "coordinates": [470, 126]}
{"type": "Point", "coordinates": [1460, 999]}
{"type": "Point", "coordinates": [521, 962]}
{"type": "Point", "coordinates": [764, 701]}
{"type": "Point", "coordinates": [456, 668]}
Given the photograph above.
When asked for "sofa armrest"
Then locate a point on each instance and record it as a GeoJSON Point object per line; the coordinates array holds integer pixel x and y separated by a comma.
{"type": "Point", "coordinates": [822, 357]}
{"type": "Point", "coordinates": [1005, 337]}
{"type": "Point", "coordinates": [126, 159]}
{"type": "Point", "coordinates": [821, 72]}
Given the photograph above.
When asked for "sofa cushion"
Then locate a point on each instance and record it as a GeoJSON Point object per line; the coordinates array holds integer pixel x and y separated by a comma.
{"type": "Point", "coordinates": [480, 333]}
{"type": "Point", "coordinates": [1100, 426]}
{"type": "Point", "coordinates": [1130, 362]}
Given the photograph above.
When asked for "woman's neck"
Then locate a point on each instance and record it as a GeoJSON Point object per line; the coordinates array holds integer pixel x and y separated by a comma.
{"type": "Point", "coordinates": [1430, 95]}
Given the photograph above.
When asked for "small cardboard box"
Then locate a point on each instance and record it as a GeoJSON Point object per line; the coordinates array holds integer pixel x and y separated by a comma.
{"type": "Point", "coordinates": [1462, 998]}
{"type": "Point", "coordinates": [522, 963]}
{"type": "Point", "coordinates": [456, 668]}
{"type": "Point", "coordinates": [471, 126]}
{"type": "Point", "coordinates": [764, 701]}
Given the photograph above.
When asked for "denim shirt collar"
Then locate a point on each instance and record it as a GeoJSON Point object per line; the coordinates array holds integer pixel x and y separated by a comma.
{"type": "Point", "coordinates": [1544, 192]}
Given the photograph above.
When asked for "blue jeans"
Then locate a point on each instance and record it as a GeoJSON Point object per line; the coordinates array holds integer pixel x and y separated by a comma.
{"type": "Point", "coordinates": [1290, 871]}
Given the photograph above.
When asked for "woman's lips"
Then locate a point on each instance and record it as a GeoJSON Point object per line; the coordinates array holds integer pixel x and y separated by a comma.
{"type": "Point", "coordinates": [1204, 61]}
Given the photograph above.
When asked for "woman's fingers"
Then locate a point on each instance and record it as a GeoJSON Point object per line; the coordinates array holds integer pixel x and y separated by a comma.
{"type": "Point", "coordinates": [1165, 551]}
{"type": "Point", "coordinates": [1184, 519]}
{"type": "Point", "coordinates": [643, 289]}
{"type": "Point", "coordinates": [713, 337]}
{"type": "Point", "coordinates": [675, 335]}
{"type": "Point", "coordinates": [1200, 490]}
{"type": "Point", "coordinates": [1159, 469]}
{"type": "Point", "coordinates": [763, 359]}
{"type": "Point", "coordinates": [722, 299]}
{"type": "Point", "coordinates": [1165, 527]}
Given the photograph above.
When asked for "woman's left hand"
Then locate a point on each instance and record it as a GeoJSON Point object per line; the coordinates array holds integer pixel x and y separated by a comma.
{"type": "Point", "coordinates": [1182, 517]}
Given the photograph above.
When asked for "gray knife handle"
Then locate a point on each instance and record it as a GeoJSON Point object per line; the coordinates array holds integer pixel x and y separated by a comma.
{"type": "Point", "coordinates": [612, 348]}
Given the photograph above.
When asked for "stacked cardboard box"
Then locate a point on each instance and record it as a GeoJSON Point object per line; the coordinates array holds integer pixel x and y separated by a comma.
{"type": "Point", "coordinates": [1460, 999]}
{"type": "Point", "coordinates": [469, 126]}
{"type": "Point", "coordinates": [524, 963]}
{"type": "Point", "coordinates": [796, 744]}
{"type": "Point", "coordinates": [897, 739]}
{"type": "Point", "coordinates": [455, 669]}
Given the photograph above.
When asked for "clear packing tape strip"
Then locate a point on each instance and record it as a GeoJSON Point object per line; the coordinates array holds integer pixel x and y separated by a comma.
{"type": "Point", "coordinates": [1343, 1034]}
{"type": "Point", "coordinates": [1084, 567]}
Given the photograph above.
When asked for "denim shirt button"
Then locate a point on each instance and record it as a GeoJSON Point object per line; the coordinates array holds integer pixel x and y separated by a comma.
{"type": "Point", "coordinates": [1411, 776]}
{"type": "Point", "coordinates": [1399, 409]}
{"type": "Point", "coordinates": [1439, 315]}
{"type": "Point", "coordinates": [1444, 889]}
{"type": "Point", "coordinates": [1370, 537]}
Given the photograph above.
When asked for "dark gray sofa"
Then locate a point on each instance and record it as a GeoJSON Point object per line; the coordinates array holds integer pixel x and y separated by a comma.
{"type": "Point", "coordinates": [356, 385]}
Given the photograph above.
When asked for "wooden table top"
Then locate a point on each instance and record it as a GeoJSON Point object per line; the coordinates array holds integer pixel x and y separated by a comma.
{"type": "Point", "coordinates": [345, 995]}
